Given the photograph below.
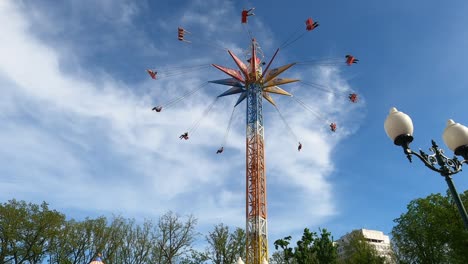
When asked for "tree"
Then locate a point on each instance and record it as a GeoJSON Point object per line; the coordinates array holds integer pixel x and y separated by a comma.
{"type": "Point", "coordinates": [309, 250]}
{"type": "Point", "coordinates": [114, 237]}
{"type": "Point", "coordinates": [324, 247]}
{"type": "Point", "coordinates": [33, 234]}
{"type": "Point", "coordinates": [225, 247]}
{"type": "Point", "coordinates": [195, 257]}
{"type": "Point", "coordinates": [137, 243]}
{"type": "Point", "coordinates": [26, 231]}
{"type": "Point", "coordinates": [218, 241]}
{"type": "Point", "coordinates": [431, 231]}
{"type": "Point", "coordinates": [358, 251]}
{"type": "Point", "coordinates": [175, 238]}
{"type": "Point", "coordinates": [304, 252]}
{"type": "Point", "coordinates": [79, 242]}
{"type": "Point", "coordinates": [12, 217]}
{"type": "Point", "coordinates": [458, 234]}
{"type": "Point", "coordinates": [237, 243]}
{"type": "Point", "coordinates": [285, 256]}
{"type": "Point", "coordinates": [277, 258]}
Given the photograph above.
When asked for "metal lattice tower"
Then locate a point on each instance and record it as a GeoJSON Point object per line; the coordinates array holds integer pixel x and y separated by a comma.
{"type": "Point", "coordinates": [253, 84]}
{"type": "Point", "coordinates": [256, 200]}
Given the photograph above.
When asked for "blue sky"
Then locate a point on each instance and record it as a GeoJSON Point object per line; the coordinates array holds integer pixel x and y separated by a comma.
{"type": "Point", "coordinates": [77, 130]}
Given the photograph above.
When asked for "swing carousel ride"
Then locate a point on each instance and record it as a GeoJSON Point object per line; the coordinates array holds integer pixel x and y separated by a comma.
{"type": "Point", "coordinates": [253, 82]}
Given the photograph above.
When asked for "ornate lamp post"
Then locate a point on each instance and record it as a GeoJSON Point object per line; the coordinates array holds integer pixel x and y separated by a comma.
{"type": "Point", "coordinates": [399, 128]}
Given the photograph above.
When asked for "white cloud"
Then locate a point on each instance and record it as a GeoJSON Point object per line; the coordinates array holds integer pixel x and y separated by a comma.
{"type": "Point", "coordinates": [91, 142]}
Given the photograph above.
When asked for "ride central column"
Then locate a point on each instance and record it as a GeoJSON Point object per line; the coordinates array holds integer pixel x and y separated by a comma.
{"type": "Point", "coordinates": [256, 200]}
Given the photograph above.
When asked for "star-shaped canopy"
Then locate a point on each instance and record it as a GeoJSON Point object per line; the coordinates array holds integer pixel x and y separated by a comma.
{"type": "Point", "coordinates": [241, 79]}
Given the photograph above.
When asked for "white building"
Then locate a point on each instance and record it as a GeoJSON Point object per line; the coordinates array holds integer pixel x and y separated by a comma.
{"type": "Point", "coordinates": [378, 239]}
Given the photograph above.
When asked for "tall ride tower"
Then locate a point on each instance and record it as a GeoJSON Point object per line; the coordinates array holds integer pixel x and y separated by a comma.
{"type": "Point", "coordinates": [253, 84]}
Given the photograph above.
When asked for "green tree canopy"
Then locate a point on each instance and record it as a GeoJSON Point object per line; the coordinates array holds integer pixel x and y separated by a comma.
{"type": "Point", "coordinates": [26, 231]}
{"type": "Point", "coordinates": [357, 250]}
{"type": "Point", "coordinates": [310, 249]}
{"type": "Point", "coordinates": [431, 231]}
{"type": "Point", "coordinates": [33, 234]}
{"type": "Point", "coordinates": [324, 247]}
{"type": "Point", "coordinates": [176, 236]}
{"type": "Point", "coordinates": [225, 247]}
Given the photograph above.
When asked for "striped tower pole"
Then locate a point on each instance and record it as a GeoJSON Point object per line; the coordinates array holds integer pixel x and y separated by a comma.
{"type": "Point", "coordinates": [256, 201]}
{"type": "Point", "coordinates": [254, 85]}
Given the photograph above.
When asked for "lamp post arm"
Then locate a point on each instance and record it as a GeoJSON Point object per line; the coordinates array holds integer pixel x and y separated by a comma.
{"type": "Point", "coordinates": [446, 166]}
{"type": "Point", "coordinates": [424, 158]}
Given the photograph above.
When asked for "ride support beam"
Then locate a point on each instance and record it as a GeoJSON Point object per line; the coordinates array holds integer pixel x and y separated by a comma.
{"type": "Point", "coordinates": [256, 200]}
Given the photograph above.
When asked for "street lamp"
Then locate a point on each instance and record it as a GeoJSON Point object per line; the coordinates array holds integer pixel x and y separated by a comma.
{"type": "Point", "coordinates": [399, 128]}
